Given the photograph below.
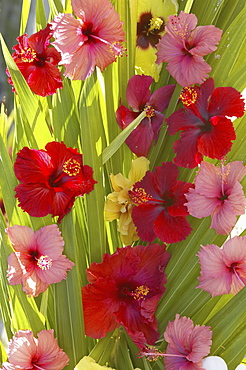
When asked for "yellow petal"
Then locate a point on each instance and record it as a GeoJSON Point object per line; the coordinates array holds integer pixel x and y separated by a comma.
{"type": "Point", "coordinates": [139, 168]}
{"type": "Point", "coordinates": [88, 363]}
{"type": "Point", "coordinates": [112, 210]}
{"type": "Point", "coordinates": [119, 182]}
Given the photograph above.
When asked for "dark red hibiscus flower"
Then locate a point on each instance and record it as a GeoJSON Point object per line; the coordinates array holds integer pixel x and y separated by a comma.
{"type": "Point", "coordinates": [140, 99]}
{"type": "Point", "coordinates": [206, 128]}
{"type": "Point", "coordinates": [37, 60]}
{"type": "Point", "coordinates": [51, 179]}
{"type": "Point", "coordinates": [124, 290]}
{"type": "Point", "coordinates": [160, 211]}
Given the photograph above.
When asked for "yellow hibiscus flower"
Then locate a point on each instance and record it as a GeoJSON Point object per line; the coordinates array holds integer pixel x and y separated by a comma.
{"type": "Point", "coordinates": [152, 16]}
{"type": "Point", "coordinates": [119, 204]}
{"type": "Point", "coordinates": [88, 363]}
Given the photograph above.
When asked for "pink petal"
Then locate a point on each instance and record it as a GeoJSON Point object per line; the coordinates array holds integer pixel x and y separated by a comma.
{"type": "Point", "coordinates": [15, 270]}
{"type": "Point", "coordinates": [22, 238]}
{"type": "Point", "coordinates": [201, 342]}
{"type": "Point", "coordinates": [223, 218]}
{"type": "Point", "coordinates": [57, 272]}
{"type": "Point", "coordinates": [236, 170]}
{"type": "Point", "coordinates": [50, 241]}
{"type": "Point", "coordinates": [169, 49]}
{"type": "Point", "coordinates": [138, 92]}
{"type": "Point", "coordinates": [200, 206]}
{"type": "Point", "coordinates": [22, 349]}
{"type": "Point", "coordinates": [237, 199]}
{"type": "Point", "coordinates": [50, 355]}
{"type": "Point", "coordinates": [204, 39]}
{"type": "Point", "coordinates": [208, 181]}
{"type": "Point", "coordinates": [234, 250]}
{"type": "Point", "coordinates": [32, 285]}
{"type": "Point", "coordinates": [180, 26]}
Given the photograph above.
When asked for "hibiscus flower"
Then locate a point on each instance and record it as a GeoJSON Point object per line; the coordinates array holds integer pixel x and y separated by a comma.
{"type": "Point", "coordinates": [119, 204]}
{"type": "Point", "coordinates": [124, 290]}
{"type": "Point", "coordinates": [218, 193]}
{"type": "Point", "coordinates": [27, 352]}
{"type": "Point", "coordinates": [206, 128]}
{"type": "Point", "coordinates": [140, 99]}
{"type": "Point", "coordinates": [223, 270]}
{"type": "Point", "coordinates": [159, 210]}
{"type": "Point", "coordinates": [37, 260]}
{"type": "Point", "coordinates": [184, 49]}
{"type": "Point", "coordinates": [187, 345]}
{"type": "Point", "coordinates": [150, 29]}
{"type": "Point", "coordinates": [51, 179]}
{"type": "Point", "coordinates": [37, 60]}
{"type": "Point", "coordinates": [93, 39]}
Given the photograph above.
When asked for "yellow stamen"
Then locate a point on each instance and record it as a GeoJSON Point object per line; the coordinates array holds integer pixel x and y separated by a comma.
{"type": "Point", "coordinates": [141, 292]}
{"type": "Point", "coordinates": [71, 167]}
{"type": "Point", "coordinates": [139, 196]}
{"type": "Point", "coordinates": [28, 55]}
{"type": "Point", "coordinates": [188, 96]}
{"type": "Point", "coordinates": [149, 111]}
{"type": "Point", "coordinates": [155, 24]}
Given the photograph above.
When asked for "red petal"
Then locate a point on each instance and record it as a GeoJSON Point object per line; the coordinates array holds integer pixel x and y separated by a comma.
{"type": "Point", "coordinates": [187, 150]}
{"type": "Point", "coordinates": [137, 92]}
{"type": "Point", "coordinates": [226, 101]}
{"type": "Point", "coordinates": [144, 217]}
{"type": "Point", "coordinates": [217, 142]}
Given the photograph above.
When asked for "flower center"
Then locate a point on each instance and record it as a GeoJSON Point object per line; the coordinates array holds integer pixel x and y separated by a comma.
{"type": "Point", "coordinates": [71, 167]}
{"type": "Point", "coordinates": [188, 96]}
{"type": "Point", "coordinates": [44, 262]}
{"type": "Point", "coordinates": [155, 24]}
{"type": "Point", "coordinates": [27, 55]}
{"type": "Point", "coordinates": [140, 292]}
{"type": "Point", "coordinates": [149, 111]}
{"type": "Point", "coordinates": [139, 196]}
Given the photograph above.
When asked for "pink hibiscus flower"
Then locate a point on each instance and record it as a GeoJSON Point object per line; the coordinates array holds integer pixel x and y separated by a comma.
{"type": "Point", "coordinates": [124, 290]}
{"type": "Point", "coordinates": [187, 345]}
{"type": "Point", "coordinates": [159, 210]}
{"type": "Point", "coordinates": [27, 352]}
{"type": "Point", "coordinates": [184, 50]}
{"type": "Point", "coordinates": [140, 99]}
{"type": "Point", "coordinates": [51, 179]}
{"type": "Point", "coordinates": [93, 39]}
{"type": "Point", "coordinates": [37, 60]}
{"type": "Point", "coordinates": [38, 260]}
{"type": "Point", "coordinates": [223, 270]}
{"type": "Point", "coordinates": [218, 193]}
{"type": "Point", "coordinates": [206, 128]}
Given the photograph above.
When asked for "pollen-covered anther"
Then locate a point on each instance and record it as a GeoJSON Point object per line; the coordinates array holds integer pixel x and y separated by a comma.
{"type": "Point", "coordinates": [139, 196]}
{"type": "Point", "coordinates": [27, 55]}
{"type": "Point", "coordinates": [155, 23]}
{"type": "Point", "coordinates": [71, 167]}
{"type": "Point", "coordinates": [188, 96]}
{"type": "Point", "coordinates": [141, 292]}
{"type": "Point", "coordinates": [44, 262]}
{"type": "Point", "coordinates": [149, 111]}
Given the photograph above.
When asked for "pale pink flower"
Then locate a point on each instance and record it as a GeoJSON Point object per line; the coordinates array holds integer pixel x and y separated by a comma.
{"type": "Point", "coordinates": [218, 193]}
{"type": "Point", "coordinates": [223, 270]}
{"type": "Point", "coordinates": [38, 260]}
{"type": "Point", "coordinates": [187, 344]}
{"type": "Point", "coordinates": [184, 49]}
{"type": "Point", "coordinates": [93, 39]}
{"type": "Point", "coordinates": [27, 352]}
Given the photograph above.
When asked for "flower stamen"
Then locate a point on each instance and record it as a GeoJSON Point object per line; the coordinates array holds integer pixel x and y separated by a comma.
{"type": "Point", "coordinates": [44, 262]}
{"type": "Point", "coordinates": [188, 96]}
{"type": "Point", "coordinates": [141, 292]}
{"type": "Point", "coordinates": [27, 55]}
{"type": "Point", "coordinates": [71, 167]}
{"type": "Point", "coordinates": [149, 111]}
{"type": "Point", "coordinates": [155, 23]}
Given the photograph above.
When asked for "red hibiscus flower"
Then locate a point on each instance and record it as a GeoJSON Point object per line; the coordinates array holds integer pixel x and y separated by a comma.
{"type": "Point", "coordinates": [206, 128]}
{"type": "Point", "coordinates": [160, 211]}
{"type": "Point", "coordinates": [140, 99]}
{"type": "Point", "coordinates": [51, 179]}
{"type": "Point", "coordinates": [124, 290]}
{"type": "Point", "coordinates": [38, 61]}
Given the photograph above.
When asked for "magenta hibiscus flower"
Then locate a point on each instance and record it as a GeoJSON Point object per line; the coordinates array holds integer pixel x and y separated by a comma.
{"type": "Point", "coordinates": [184, 50]}
{"type": "Point", "coordinates": [27, 352]}
{"type": "Point", "coordinates": [51, 179]}
{"type": "Point", "coordinates": [218, 193]}
{"type": "Point", "coordinates": [206, 128]}
{"type": "Point", "coordinates": [93, 39]}
{"type": "Point", "coordinates": [223, 270]}
{"type": "Point", "coordinates": [38, 260]}
{"type": "Point", "coordinates": [159, 210]}
{"type": "Point", "coordinates": [140, 99]}
{"type": "Point", "coordinates": [124, 290]}
{"type": "Point", "coordinates": [37, 60]}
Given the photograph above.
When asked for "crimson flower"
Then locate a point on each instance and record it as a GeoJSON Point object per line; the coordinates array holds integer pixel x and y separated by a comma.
{"type": "Point", "coordinates": [218, 193]}
{"type": "Point", "coordinates": [184, 49]}
{"type": "Point", "coordinates": [206, 128]}
{"type": "Point", "coordinates": [124, 290]}
{"type": "Point", "coordinates": [93, 39]}
{"type": "Point", "coordinates": [159, 209]}
{"type": "Point", "coordinates": [37, 260]}
{"type": "Point", "coordinates": [223, 270]}
{"type": "Point", "coordinates": [51, 179]}
{"type": "Point", "coordinates": [140, 99]}
{"type": "Point", "coordinates": [37, 60]}
{"type": "Point", "coordinates": [27, 352]}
